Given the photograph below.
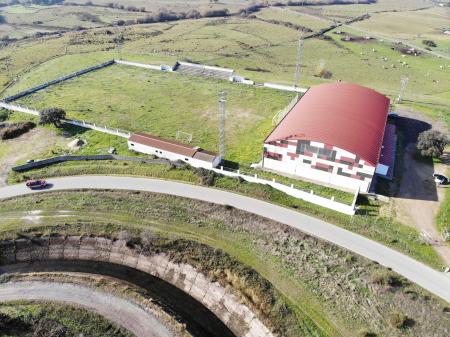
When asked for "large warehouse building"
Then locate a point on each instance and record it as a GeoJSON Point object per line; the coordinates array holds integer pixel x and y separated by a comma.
{"type": "Point", "coordinates": [333, 135]}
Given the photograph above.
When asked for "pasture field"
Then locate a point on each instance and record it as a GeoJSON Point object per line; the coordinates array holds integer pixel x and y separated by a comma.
{"type": "Point", "coordinates": [287, 14]}
{"type": "Point", "coordinates": [135, 99]}
{"type": "Point", "coordinates": [343, 13]}
{"type": "Point", "coordinates": [259, 50]}
{"type": "Point", "coordinates": [27, 20]}
{"type": "Point", "coordinates": [412, 26]}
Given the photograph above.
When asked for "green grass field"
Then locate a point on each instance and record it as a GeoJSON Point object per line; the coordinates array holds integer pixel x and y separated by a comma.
{"type": "Point", "coordinates": [162, 103]}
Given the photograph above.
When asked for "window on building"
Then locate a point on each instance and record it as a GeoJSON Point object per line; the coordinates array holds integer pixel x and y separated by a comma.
{"type": "Point", "coordinates": [325, 152]}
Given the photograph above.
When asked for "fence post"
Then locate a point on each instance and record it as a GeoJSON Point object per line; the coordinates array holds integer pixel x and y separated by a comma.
{"type": "Point", "coordinates": [312, 192]}
{"type": "Point", "coordinates": [292, 186]}
{"type": "Point", "coordinates": [221, 168]}
{"type": "Point", "coordinates": [239, 172]}
{"type": "Point", "coordinates": [332, 198]}
{"type": "Point", "coordinates": [256, 176]}
{"type": "Point", "coordinates": [273, 180]}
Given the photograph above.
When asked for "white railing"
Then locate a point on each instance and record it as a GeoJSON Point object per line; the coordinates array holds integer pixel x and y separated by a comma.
{"type": "Point", "coordinates": [140, 65]}
{"type": "Point", "coordinates": [19, 108]}
{"type": "Point", "coordinates": [83, 124]}
{"type": "Point", "coordinates": [285, 87]}
{"type": "Point", "coordinates": [104, 129]}
{"type": "Point", "coordinates": [329, 203]}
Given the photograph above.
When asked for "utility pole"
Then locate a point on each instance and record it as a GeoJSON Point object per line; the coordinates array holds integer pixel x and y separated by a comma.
{"type": "Point", "coordinates": [119, 45]}
{"type": "Point", "coordinates": [403, 83]}
{"type": "Point", "coordinates": [299, 58]}
{"type": "Point", "coordinates": [222, 117]}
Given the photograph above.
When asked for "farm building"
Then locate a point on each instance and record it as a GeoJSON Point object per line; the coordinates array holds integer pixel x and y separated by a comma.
{"type": "Point", "coordinates": [172, 150]}
{"type": "Point", "coordinates": [335, 134]}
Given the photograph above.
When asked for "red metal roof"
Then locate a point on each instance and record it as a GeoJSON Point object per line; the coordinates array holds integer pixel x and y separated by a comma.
{"type": "Point", "coordinates": [172, 146]}
{"type": "Point", "coordinates": [345, 115]}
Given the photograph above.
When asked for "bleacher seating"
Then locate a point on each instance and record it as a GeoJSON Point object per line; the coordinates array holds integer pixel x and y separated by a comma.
{"type": "Point", "coordinates": [202, 70]}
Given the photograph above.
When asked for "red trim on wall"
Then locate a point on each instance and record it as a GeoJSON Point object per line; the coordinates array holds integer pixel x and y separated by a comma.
{"type": "Point", "coordinates": [351, 160]}
{"type": "Point", "coordinates": [292, 155]}
{"type": "Point", "coordinates": [273, 155]}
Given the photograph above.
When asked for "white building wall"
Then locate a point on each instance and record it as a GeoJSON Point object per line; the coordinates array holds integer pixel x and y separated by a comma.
{"type": "Point", "coordinates": [302, 165]}
{"type": "Point", "coordinates": [171, 156]}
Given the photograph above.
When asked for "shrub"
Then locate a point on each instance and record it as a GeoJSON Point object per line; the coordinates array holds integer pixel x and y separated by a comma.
{"type": "Point", "coordinates": [193, 14]}
{"type": "Point", "coordinates": [89, 17]}
{"type": "Point", "coordinates": [398, 319]}
{"type": "Point", "coordinates": [15, 130]}
{"type": "Point", "coordinates": [385, 278]}
{"type": "Point", "coordinates": [52, 115]}
{"type": "Point", "coordinates": [365, 333]}
{"type": "Point", "coordinates": [216, 13]}
{"type": "Point", "coordinates": [429, 43]}
{"type": "Point", "coordinates": [207, 177]}
{"type": "Point", "coordinates": [321, 71]}
{"type": "Point", "coordinates": [3, 115]}
{"type": "Point", "coordinates": [432, 143]}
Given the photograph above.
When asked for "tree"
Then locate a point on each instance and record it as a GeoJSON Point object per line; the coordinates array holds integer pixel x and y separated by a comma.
{"type": "Point", "coordinates": [52, 115]}
{"type": "Point", "coordinates": [432, 143]}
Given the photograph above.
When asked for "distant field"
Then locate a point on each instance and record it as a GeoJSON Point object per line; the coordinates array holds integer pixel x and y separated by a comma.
{"type": "Point", "coordinates": [414, 26]}
{"type": "Point", "coordinates": [259, 50]}
{"type": "Point", "coordinates": [162, 103]}
{"type": "Point", "coordinates": [286, 14]}
{"type": "Point", "coordinates": [27, 20]}
{"type": "Point", "coordinates": [344, 12]}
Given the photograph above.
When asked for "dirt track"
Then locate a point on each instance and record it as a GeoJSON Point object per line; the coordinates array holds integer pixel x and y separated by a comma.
{"type": "Point", "coordinates": [117, 310]}
{"type": "Point", "coordinates": [418, 199]}
{"type": "Point", "coordinates": [25, 147]}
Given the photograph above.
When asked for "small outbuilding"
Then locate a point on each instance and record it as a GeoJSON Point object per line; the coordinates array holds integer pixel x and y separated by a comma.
{"type": "Point", "coordinates": [333, 135]}
{"type": "Point", "coordinates": [173, 150]}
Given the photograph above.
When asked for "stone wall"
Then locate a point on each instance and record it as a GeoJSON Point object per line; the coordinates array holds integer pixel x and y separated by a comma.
{"type": "Point", "coordinates": [240, 319]}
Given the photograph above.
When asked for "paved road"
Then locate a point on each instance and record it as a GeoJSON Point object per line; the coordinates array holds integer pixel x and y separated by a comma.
{"type": "Point", "coordinates": [436, 282]}
{"type": "Point", "coordinates": [116, 309]}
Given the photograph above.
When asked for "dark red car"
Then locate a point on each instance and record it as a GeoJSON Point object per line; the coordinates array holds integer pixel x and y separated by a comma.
{"type": "Point", "coordinates": [35, 184]}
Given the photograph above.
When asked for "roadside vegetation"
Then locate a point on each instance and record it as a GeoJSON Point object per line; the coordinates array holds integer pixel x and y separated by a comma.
{"type": "Point", "coordinates": [35, 319]}
{"type": "Point", "coordinates": [368, 222]}
{"type": "Point", "coordinates": [306, 271]}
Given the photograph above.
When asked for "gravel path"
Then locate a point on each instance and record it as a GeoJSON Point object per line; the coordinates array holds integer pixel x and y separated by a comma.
{"type": "Point", "coordinates": [116, 309]}
{"type": "Point", "coordinates": [436, 282]}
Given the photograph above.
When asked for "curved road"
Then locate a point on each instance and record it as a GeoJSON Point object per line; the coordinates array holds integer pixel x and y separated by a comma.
{"type": "Point", "coordinates": [436, 282]}
{"type": "Point", "coordinates": [118, 310]}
